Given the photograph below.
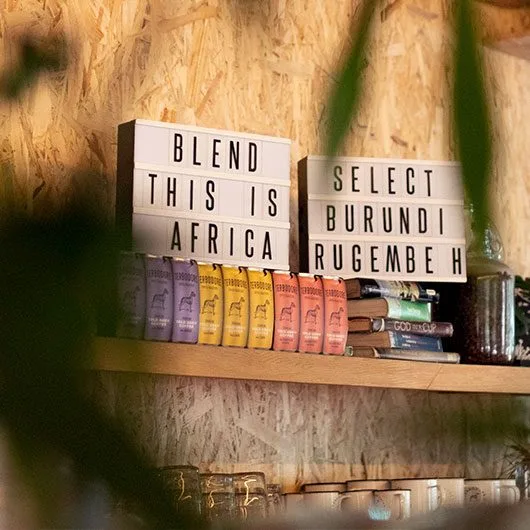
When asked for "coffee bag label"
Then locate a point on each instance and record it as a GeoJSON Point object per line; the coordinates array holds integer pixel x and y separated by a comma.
{"type": "Point", "coordinates": [236, 306]}
{"type": "Point", "coordinates": [335, 315]}
{"type": "Point", "coordinates": [131, 296]}
{"type": "Point", "coordinates": [311, 313]}
{"type": "Point", "coordinates": [261, 300]}
{"type": "Point", "coordinates": [186, 301]}
{"type": "Point", "coordinates": [211, 303]}
{"type": "Point", "coordinates": [159, 298]}
{"type": "Point", "coordinates": [286, 311]}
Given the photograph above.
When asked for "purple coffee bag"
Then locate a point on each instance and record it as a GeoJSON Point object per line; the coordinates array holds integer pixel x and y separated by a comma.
{"type": "Point", "coordinates": [131, 296]}
{"type": "Point", "coordinates": [159, 298]}
{"type": "Point", "coordinates": [186, 301]}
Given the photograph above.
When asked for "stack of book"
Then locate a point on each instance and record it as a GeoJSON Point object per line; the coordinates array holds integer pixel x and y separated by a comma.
{"type": "Point", "coordinates": [394, 320]}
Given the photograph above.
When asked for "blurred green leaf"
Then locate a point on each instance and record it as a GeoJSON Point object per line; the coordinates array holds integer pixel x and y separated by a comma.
{"type": "Point", "coordinates": [34, 58]}
{"type": "Point", "coordinates": [471, 118]}
{"type": "Point", "coordinates": [345, 97]}
{"type": "Point", "coordinates": [55, 273]}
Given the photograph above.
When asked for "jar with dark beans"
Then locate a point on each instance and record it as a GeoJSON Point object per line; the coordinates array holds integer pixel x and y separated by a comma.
{"type": "Point", "coordinates": [484, 319]}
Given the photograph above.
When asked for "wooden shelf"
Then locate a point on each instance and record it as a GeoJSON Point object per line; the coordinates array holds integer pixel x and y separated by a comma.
{"type": "Point", "coordinates": [121, 355]}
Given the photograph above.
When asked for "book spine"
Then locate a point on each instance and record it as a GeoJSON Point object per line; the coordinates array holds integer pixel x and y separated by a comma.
{"type": "Point", "coordinates": [418, 355]}
{"type": "Point", "coordinates": [411, 291]}
{"type": "Point", "coordinates": [428, 329]}
{"type": "Point", "coordinates": [414, 342]}
{"type": "Point", "coordinates": [407, 310]}
{"type": "Point", "coordinates": [236, 306]}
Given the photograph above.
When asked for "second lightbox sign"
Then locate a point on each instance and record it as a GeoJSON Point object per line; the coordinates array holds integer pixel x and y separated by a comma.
{"type": "Point", "coordinates": [382, 218]}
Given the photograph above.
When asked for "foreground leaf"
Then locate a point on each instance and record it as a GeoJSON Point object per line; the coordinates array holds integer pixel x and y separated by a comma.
{"type": "Point", "coordinates": [471, 122]}
{"type": "Point", "coordinates": [344, 100]}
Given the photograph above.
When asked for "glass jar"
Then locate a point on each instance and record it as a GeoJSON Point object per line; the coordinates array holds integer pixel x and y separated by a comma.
{"type": "Point", "coordinates": [484, 324]}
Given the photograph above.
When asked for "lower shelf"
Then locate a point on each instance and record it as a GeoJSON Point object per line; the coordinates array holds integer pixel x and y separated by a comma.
{"type": "Point", "coordinates": [122, 355]}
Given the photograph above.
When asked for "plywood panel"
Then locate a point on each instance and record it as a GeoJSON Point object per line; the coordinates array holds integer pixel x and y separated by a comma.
{"type": "Point", "coordinates": [294, 432]}
{"type": "Point", "coordinates": [509, 81]}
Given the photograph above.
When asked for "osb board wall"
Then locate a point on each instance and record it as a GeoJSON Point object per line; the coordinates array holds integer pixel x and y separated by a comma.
{"type": "Point", "coordinates": [509, 80]}
{"type": "Point", "coordinates": [298, 433]}
{"type": "Point", "coordinates": [264, 67]}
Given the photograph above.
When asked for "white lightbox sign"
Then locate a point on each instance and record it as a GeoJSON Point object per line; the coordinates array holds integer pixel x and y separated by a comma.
{"type": "Point", "coordinates": [210, 195]}
{"type": "Point", "coordinates": [382, 219]}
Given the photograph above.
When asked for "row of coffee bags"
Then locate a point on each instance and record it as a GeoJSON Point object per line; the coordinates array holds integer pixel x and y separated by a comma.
{"type": "Point", "coordinates": [170, 299]}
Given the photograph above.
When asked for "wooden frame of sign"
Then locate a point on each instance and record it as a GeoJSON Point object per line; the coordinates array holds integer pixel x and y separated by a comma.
{"type": "Point", "coordinates": [204, 194]}
{"type": "Point", "coordinates": [381, 218]}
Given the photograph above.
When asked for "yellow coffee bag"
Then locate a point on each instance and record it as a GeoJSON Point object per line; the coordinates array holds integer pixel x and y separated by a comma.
{"type": "Point", "coordinates": [211, 303]}
{"type": "Point", "coordinates": [261, 299]}
{"type": "Point", "coordinates": [235, 318]}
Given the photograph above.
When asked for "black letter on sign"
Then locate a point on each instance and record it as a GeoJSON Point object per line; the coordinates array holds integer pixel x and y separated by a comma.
{"type": "Point", "coordinates": [273, 209]}
{"type": "Point", "coordinates": [171, 191]}
{"type": "Point", "coordinates": [368, 216]}
{"type": "Point", "coordinates": [391, 180]}
{"type": "Point", "coordinates": [337, 256]}
{"type": "Point", "coordinates": [319, 254]}
{"type": "Point", "coordinates": [441, 221]}
{"type": "Point", "coordinates": [152, 176]}
{"type": "Point", "coordinates": [252, 157]}
{"type": "Point", "coordinates": [252, 200]}
{"type": "Point", "coordinates": [234, 155]}
{"type": "Point", "coordinates": [195, 161]}
{"type": "Point", "coordinates": [410, 186]}
{"type": "Point", "coordinates": [249, 235]}
{"type": "Point", "coordinates": [215, 152]}
{"type": "Point", "coordinates": [411, 259]}
{"type": "Point", "coordinates": [349, 210]}
{"type": "Point", "coordinates": [404, 220]}
{"type": "Point", "coordinates": [191, 194]}
{"type": "Point", "coordinates": [331, 217]}
{"type": "Point", "coordinates": [231, 240]}
{"type": "Point", "coordinates": [175, 240]}
{"type": "Point", "coordinates": [428, 260]}
{"type": "Point", "coordinates": [212, 238]}
{"type": "Point", "coordinates": [267, 249]}
{"type": "Point", "coordinates": [337, 173]}
{"type": "Point", "coordinates": [373, 259]}
{"type": "Point", "coordinates": [194, 236]}
{"type": "Point", "coordinates": [422, 220]}
{"type": "Point", "coordinates": [392, 259]}
{"type": "Point", "coordinates": [457, 261]}
{"type": "Point", "coordinates": [372, 183]}
{"type": "Point", "coordinates": [210, 200]}
{"type": "Point", "coordinates": [177, 148]}
{"type": "Point", "coordinates": [387, 223]}
{"type": "Point", "coordinates": [428, 173]}
{"type": "Point", "coordinates": [356, 262]}
{"type": "Point", "coordinates": [354, 179]}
